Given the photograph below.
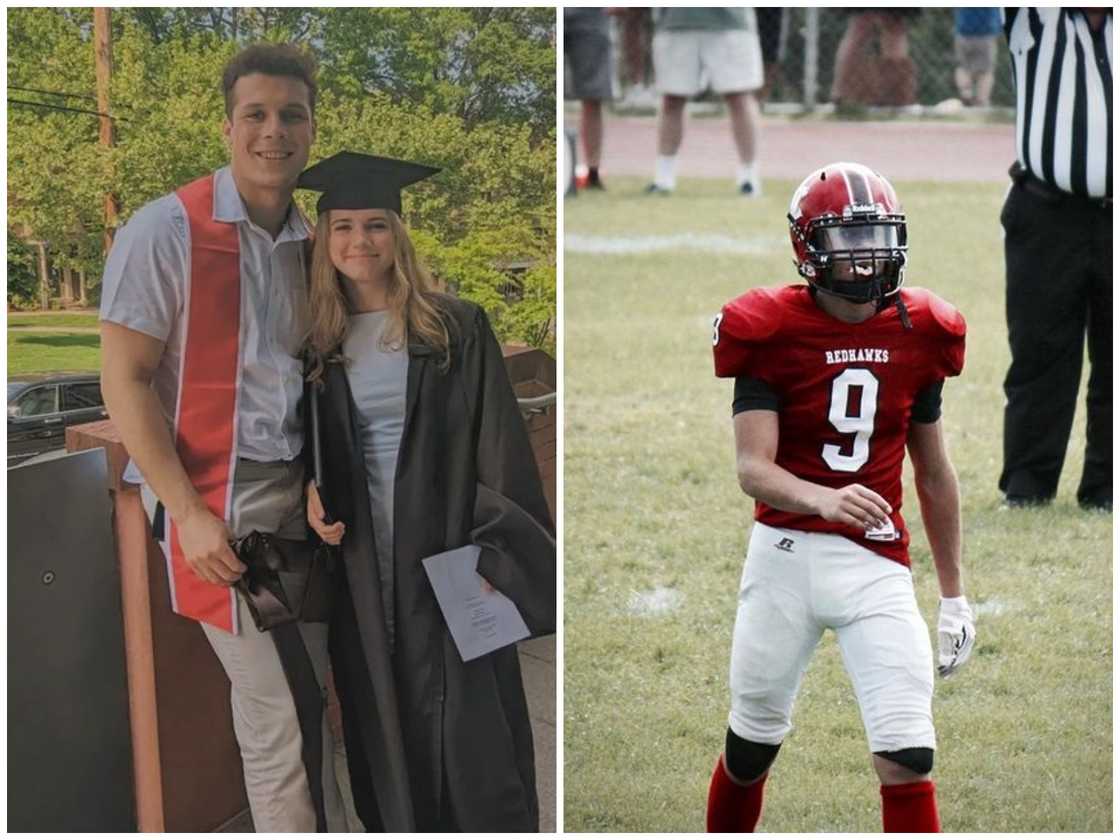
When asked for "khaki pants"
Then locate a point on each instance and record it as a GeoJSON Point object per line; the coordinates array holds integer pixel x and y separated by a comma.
{"type": "Point", "coordinates": [268, 497]}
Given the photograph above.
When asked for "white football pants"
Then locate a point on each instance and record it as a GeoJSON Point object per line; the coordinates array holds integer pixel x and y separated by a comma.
{"type": "Point", "coordinates": [797, 584]}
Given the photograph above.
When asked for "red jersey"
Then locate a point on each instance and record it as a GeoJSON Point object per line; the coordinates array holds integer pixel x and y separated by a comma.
{"type": "Point", "coordinates": [845, 391]}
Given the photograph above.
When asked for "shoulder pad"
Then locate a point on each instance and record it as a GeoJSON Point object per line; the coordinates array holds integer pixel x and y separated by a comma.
{"type": "Point", "coordinates": [947, 316]}
{"type": "Point", "coordinates": [742, 324]}
{"type": "Point", "coordinates": [944, 326]}
{"type": "Point", "coordinates": [943, 318]}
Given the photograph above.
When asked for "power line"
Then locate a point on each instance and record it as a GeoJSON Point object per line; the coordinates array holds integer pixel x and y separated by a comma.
{"type": "Point", "coordinates": [61, 93]}
{"type": "Point", "coordinates": [64, 108]}
{"type": "Point", "coordinates": [53, 92]}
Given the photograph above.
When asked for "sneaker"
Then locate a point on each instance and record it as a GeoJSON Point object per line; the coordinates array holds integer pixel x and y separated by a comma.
{"type": "Point", "coordinates": [657, 189]}
{"type": "Point", "coordinates": [594, 182]}
{"type": "Point", "coordinates": [750, 190]}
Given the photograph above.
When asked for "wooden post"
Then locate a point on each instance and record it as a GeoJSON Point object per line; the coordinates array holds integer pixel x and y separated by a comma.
{"type": "Point", "coordinates": [103, 61]}
{"type": "Point", "coordinates": [187, 772]}
{"type": "Point", "coordinates": [66, 287]}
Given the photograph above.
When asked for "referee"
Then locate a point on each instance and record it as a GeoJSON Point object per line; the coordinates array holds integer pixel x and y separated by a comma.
{"type": "Point", "coordinates": [1057, 223]}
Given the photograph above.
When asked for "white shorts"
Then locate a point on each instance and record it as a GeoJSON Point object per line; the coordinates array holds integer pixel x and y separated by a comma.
{"type": "Point", "coordinates": [685, 62]}
{"type": "Point", "coordinates": [797, 584]}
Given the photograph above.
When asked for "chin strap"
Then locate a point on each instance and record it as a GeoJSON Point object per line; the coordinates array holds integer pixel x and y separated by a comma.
{"type": "Point", "coordinates": [903, 315]}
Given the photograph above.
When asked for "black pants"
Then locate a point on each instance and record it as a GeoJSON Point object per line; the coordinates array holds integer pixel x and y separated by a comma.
{"type": "Point", "coordinates": [1059, 288]}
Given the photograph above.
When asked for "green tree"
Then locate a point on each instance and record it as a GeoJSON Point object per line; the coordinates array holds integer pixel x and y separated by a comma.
{"type": "Point", "coordinates": [469, 90]}
{"type": "Point", "coordinates": [23, 283]}
{"type": "Point", "coordinates": [479, 64]}
{"type": "Point", "coordinates": [56, 174]}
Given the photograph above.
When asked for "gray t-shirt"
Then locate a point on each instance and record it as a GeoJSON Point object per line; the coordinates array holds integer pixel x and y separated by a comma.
{"type": "Point", "coordinates": [378, 380]}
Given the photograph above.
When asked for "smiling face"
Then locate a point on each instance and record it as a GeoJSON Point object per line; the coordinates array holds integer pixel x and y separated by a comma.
{"type": "Point", "coordinates": [362, 245]}
{"type": "Point", "coordinates": [269, 131]}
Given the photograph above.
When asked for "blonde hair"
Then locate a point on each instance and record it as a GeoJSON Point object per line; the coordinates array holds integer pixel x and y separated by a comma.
{"type": "Point", "coordinates": [415, 314]}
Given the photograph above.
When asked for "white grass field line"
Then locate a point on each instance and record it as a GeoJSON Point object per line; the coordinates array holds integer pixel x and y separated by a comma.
{"type": "Point", "coordinates": [708, 243]}
{"type": "Point", "coordinates": [994, 607]}
{"type": "Point", "coordinates": [657, 601]}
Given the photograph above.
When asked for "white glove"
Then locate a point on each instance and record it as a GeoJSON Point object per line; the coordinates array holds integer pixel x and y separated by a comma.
{"type": "Point", "coordinates": [956, 634]}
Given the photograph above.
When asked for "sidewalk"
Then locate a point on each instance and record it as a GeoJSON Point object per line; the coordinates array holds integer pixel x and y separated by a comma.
{"type": "Point", "coordinates": [788, 148]}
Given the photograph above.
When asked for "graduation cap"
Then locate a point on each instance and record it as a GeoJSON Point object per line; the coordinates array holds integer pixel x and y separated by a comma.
{"type": "Point", "coordinates": [353, 181]}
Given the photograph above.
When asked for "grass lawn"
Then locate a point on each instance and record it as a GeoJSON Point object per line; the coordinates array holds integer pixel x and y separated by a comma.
{"type": "Point", "coordinates": [52, 352]}
{"type": "Point", "coordinates": [28, 320]}
{"type": "Point", "coordinates": [656, 531]}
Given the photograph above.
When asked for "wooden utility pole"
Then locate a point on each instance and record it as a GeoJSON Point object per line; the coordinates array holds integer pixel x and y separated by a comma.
{"type": "Point", "coordinates": [66, 288]}
{"type": "Point", "coordinates": [103, 60]}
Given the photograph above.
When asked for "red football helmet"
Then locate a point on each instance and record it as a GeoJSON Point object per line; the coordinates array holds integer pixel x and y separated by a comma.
{"type": "Point", "coordinates": [849, 233]}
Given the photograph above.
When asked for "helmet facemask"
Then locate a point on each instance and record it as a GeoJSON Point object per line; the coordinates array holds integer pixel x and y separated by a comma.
{"type": "Point", "coordinates": [860, 260]}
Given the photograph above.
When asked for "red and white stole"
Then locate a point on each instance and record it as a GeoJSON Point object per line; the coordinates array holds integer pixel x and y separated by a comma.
{"type": "Point", "coordinates": [206, 406]}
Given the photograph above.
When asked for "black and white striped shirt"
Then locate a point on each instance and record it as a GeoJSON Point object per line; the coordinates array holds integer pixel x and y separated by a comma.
{"type": "Point", "coordinates": [1063, 80]}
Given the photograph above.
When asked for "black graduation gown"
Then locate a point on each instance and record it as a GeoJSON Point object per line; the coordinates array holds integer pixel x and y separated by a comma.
{"type": "Point", "coordinates": [435, 743]}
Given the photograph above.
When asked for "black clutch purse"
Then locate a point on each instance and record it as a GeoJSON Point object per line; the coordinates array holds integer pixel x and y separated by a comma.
{"type": "Point", "coordinates": [286, 580]}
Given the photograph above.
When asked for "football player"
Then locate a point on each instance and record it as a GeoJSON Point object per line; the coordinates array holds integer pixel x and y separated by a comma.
{"type": "Point", "coordinates": [834, 380]}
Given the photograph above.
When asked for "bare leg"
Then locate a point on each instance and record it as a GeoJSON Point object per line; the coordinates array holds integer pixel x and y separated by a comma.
{"type": "Point", "coordinates": [591, 130]}
{"type": "Point", "coordinates": [893, 41]}
{"type": "Point", "coordinates": [984, 88]}
{"type": "Point", "coordinates": [898, 75]}
{"type": "Point", "coordinates": [848, 84]}
{"type": "Point", "coordinates": [670, 126]}
{"type": "Point", "coordinates": [964, 85]}
{"type": "Point", "coordinates": [743, 108]}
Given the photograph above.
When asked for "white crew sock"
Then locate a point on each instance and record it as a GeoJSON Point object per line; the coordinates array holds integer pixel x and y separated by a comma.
{"type": "Point", "coordinates": [665, 175]}
{"type": "Point", "coordinates": [748, 174]}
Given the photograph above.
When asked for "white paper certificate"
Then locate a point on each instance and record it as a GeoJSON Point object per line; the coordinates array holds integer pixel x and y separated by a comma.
{"type": "Point", "coordinates": [479, 621]}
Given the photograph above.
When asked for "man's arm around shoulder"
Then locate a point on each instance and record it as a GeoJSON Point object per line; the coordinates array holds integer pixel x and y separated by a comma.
{"type": "Point", "coordinates": [129, 360]}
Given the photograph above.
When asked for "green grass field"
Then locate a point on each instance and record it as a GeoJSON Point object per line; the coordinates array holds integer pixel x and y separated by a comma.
{"type": "Point", "coordinates": [52, 352]}
{"type": "Point", "coordinates": [27, 320]}
{"type": "Point", "coordinates": [52, 342]}
{"type": "Point", "coordinates": [651, 501]}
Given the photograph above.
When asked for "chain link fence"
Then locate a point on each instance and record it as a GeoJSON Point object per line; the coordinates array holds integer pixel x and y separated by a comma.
{"type": "Point", "coordinates": [853, 61]}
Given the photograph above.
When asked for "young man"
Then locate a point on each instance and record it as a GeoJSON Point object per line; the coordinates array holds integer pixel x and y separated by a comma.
{"type": "Point", "coordinates": [717, 47]}
{"type": "Point", "coordinates": [203, 313]}
{"type": "Point", "coordinates": [832, 382]}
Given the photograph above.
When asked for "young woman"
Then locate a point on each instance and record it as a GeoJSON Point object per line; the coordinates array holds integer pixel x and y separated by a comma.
{"type": "Point", "coordinates": [423, 451]}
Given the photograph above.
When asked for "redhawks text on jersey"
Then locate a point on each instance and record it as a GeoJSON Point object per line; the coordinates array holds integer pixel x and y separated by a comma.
{"type": "Point", "coordinates": [845, 391]}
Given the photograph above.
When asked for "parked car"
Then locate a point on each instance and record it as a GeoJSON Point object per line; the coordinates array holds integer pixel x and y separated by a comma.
{"type": "Point", "coordinates": [41, 407]}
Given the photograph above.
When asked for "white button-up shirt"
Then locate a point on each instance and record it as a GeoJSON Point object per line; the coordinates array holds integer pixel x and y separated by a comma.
{"type": "Point", "coordinates": [144, 285]}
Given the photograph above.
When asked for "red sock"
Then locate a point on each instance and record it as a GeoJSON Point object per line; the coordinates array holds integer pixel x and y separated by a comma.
{"type": "Point", "coordinates": [733, 807]}
{"type": "Point", "coordinates": [911, 807]}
